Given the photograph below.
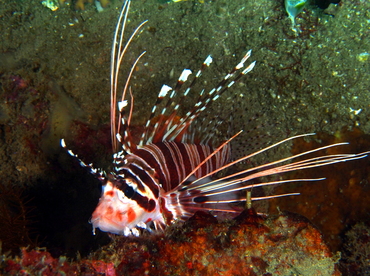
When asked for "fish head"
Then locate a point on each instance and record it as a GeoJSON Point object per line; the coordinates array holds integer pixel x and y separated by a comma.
{"type": "Point", "coordinates": [123, 206]}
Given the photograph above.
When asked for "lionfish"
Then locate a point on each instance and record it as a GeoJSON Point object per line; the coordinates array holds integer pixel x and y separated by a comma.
{"type": "Point", "coordinates": [168, 175]}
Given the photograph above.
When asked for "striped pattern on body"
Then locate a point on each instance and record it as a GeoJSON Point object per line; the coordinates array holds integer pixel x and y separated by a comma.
{"type": "Point", "coordinates": [168, 163]}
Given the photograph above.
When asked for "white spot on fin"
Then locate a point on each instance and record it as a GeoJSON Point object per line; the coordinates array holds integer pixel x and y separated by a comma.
{"type": "Point", "coordinates": [63, 143]}
{"type": "Point", "coordinates": [185, 74]}
{"type": "Point", "coordinates": [208, 61]}
{"type": "Point", "coordinates": [164, 90]}
{"type": "Point", "coordinates": [122, 105]}
{"type": "Point", "coordinates": [249, 68]}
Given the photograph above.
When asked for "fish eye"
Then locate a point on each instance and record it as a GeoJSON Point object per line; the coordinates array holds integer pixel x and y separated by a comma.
{"type": "Point", "coordinates": [129, 191]}
{"type": "Point", "coordinates": [127, 186]}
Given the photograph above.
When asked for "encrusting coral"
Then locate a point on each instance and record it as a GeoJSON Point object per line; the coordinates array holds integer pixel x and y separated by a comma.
{"type": "Point", "coordinates": [247, 245]}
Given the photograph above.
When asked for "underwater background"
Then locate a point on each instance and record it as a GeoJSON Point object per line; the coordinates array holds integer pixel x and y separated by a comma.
{"type": "Point", "coordinates": [54, 83]}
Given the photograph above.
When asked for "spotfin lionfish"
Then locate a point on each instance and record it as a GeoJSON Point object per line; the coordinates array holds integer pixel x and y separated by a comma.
{"type": "Point", "coordinates": [167, 176]}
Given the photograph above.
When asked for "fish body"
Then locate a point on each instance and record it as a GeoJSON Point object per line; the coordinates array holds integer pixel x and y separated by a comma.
{"type": "Point", "coordinates": [146, 187]}
{"type": "Point", "coordinates": [171, 172]}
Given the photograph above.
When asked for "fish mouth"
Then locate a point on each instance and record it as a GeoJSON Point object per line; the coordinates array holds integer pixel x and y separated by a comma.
{"type": "Point", "coordinates": [106, 225]}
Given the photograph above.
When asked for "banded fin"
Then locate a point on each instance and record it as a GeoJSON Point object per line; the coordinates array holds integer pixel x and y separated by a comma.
{"type": "Point", "coordinates": [169, 127]}
{"type": "Point", "coordinates": [216, 195]}
{"type": "Point", "coordinates": [179, 130]}
{"type": "Point", "coordinates": [98, 173]}
{"type": "Point", "coordinates": [119, 49]}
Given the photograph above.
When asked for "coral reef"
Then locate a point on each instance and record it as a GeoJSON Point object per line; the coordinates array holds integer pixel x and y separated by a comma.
{"type": "Point", "coordinates": [248, 245]}
{"type": "Point", "coordinates": [40, 262]}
